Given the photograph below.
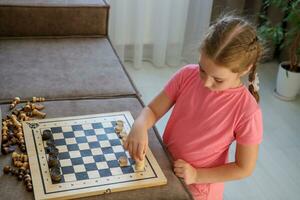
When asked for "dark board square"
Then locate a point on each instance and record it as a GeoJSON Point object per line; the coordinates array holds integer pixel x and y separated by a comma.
{"type": "Point", "coordinates": [56, 130]}
{"type": "Point", "coordinates": [119, 154]}
{"type": "Point", "coordinates": [97, 125]}
{"type": "Point", "coordinates": [107, 150]}
{"type": "Point", "coordinates": [113, 163]}
{"type": "Point", "coordinates": [131, 161]}
{"type": "Point", "coordinates": [67, 170]}
{"type": "Point", "coordinates": [60, 142]}
{"type": "Point", "coordinates": [76, 161]}
{"type": "Point", "coordinates": [69, 134]}
{"type": "Point", "coordinates": [91, 166]}
{"type": "Point", "coordinates": [94, 145]}
{"type": "Point", "coordinates": [115, 142]}
{"type": "Point", "coordinates": [109, 130]}
{"type": "Point", "coordinates": [101, 137]}
{"type": "Point", "coordinates": [85, 152]}
{"type": "Point", "coordinates": [89, 132]}
{"type": "Point", "coordinates": [127, 170]}
{"type": "Point", "coordinates": [99, 158]}
{"type": "Point", "coordinates": [72, 147]}
{"type": "Point", "coordinates": [77, 128]}
{"type": "Point", "coordinates": [104, 172]}
{"type": "Point", "coordinates": [81, 176]}
{"type": "Point", "coordinates": [81, 140]}
{"type": "Point", "coordinates": [64, 155]}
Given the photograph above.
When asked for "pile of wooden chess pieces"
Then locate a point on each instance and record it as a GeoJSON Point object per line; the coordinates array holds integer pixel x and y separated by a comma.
{"type": "Point", "coordinates": [13, 137]}
{"type": "Point", "coordinates": [139, 164]}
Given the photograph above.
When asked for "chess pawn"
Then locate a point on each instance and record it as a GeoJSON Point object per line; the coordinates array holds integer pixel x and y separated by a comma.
{"type": "Point", "coordinates": [15, 121]}
{"type": "Point", "coordinates": [6, 169]}
{"type": "Point", "coordinates": [120, 123]}
{"type": "Point", "coordinates": [118, 129]}
{"type": "Point", "coordinates": [4, 131]}
{"type": "Point", "coordinates": [27, 107]}
{"type": "Point", "coordinates": [140, 165]}
{"type": "Point", "coordinates": [123, 161]}
{"type": "Point", "coordinates": [23, 116]}
{"type": "Point", "coordinates": [38, 99]}
{"type": "Point", "coordinates": [37, 113]}
{"type": "Point", "coordinates": [15, 102]}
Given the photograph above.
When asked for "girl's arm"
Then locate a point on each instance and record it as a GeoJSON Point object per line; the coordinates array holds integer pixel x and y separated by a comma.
{"type": "Point", "coordinates": [137, 141]}
{"type": "Point", "coordinates": [244, 165]}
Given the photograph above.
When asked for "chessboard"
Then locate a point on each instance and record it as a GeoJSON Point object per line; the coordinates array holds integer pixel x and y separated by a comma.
{"type": "Point", "coordinates": [88, 153]}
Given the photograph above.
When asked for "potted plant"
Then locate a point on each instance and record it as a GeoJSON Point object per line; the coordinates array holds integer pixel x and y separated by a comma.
{"type": "Point", "coordinates": [286, 33]}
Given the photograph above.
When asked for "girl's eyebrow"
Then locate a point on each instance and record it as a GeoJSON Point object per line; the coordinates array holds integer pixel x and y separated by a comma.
{"type": "Point", "coordinates": [205, 72]}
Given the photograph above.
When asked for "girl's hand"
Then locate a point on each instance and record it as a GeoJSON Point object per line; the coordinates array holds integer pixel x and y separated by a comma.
{"type": "Point", "coordinates": [137, 142]}
{"type": "Point", "coordinates": [184, 170]}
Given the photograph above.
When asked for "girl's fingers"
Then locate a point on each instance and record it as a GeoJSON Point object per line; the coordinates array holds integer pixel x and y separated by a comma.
{"type": "Point", "coordinates": [140, 152]}
{"type": "Point", "coordinates": [134, 150]}
{"type": "Point", "coordinates": [126, 145]}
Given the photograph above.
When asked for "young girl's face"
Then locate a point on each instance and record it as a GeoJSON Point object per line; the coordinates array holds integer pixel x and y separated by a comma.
{"type": "Point", "coordinates": [217, 77]}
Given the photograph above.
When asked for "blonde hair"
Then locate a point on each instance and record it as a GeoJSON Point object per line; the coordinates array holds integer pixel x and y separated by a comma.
{"type": "Point", "coordinates": [232, 42]}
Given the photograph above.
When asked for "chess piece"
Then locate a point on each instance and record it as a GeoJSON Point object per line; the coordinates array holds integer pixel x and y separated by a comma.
{"type": "Point", "coordinates": [118, 129]}
{"type": "Point", "coordinates": [120, 123]}
{"type": "Point", "coordinates": [123, 161]}
{"type": "Point", "coordinates": [15, 102]}
{"type": "Point", "coordinates": [15, 121]}
{"type": "Point", "coordinates": [55, 174]}
{"type": "Point", "coordinates": [47, 135]}
{"type": "Point", "coordinates": [37, 106]}
{"type": "Point", "coordinates": [38, 99]}
{"type": "Point", "coordinates": [123, 134]}
{"type": "Point", "coordinates": [29, 187]}
{"type": "Point", "coordinates": [9, 149]}
{"type": "Point", "coordinates": [140, 165]}
{"type": "Point", "coordinates": [23, 116]}
{"type": "Point", "coordinates": [53, 161]}
{"type": "Point", "coordinates": [37, 113]}
{"type": "Point", "coordinates": [6, 169]}
{"type": "Point", "coordinates": [27, 107]}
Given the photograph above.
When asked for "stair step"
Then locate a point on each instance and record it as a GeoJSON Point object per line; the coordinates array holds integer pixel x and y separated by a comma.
{"type": "Point", "coordinates": [22, 18]}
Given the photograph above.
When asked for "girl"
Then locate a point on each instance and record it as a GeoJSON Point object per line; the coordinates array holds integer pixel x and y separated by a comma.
{"type": "Point", "coordinates": [212, 109]}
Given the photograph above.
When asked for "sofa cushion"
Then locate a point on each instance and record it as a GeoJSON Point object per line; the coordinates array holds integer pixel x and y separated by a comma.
{"type": "Point", "coordinates": [65, 68]}
{"type": "Point", "coordinates": [21, 18]}
{"type": "Point", "coordinates": [174, 188]}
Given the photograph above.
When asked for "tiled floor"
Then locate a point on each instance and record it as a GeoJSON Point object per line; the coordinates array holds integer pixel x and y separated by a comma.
{"type": "Point", "coordinates": [277, 175]}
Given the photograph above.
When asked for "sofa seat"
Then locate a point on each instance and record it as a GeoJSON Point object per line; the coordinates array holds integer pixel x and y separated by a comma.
{"type": "Point", "coordinates": [61, 68]}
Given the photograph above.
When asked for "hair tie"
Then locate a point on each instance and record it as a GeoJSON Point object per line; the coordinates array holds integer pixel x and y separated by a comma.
{"type": "Point", "coordinates": [255, 83]}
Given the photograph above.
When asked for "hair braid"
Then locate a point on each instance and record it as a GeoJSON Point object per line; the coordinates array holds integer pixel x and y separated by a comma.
{"type": "Point", "coordinates": [253, 46]}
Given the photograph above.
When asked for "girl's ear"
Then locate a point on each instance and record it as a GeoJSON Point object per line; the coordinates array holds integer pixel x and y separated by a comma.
{"type": "Point", "coordinates": [246, 71]}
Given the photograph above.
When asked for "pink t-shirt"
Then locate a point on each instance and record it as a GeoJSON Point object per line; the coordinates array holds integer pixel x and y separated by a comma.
{"type": "Point", "coordinates": [204, 123]}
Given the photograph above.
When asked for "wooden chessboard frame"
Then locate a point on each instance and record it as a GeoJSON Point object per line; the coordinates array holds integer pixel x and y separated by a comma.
{"type": "Point", "coordinates": [42, 185]}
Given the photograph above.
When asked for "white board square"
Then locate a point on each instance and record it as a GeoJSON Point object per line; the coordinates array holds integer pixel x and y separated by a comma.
{"type": "Point", "coordinates": [99, 131]}
{"type": "Point", "coordinates": [93, 174]}
{"type": "Point", "coordinates": [118, 148]}
{"type": "Point", "coordinates": [97, 151]}
{"type": "Point", "coordinates": [79, 168]}
{"type": "Point", "coordinates": [74, 154]}
{"type": "Point", "coordinates": [83, 146]}
{"type": "Point", "coordinates": [116, 171]}
{"type": "Point", "coordinates": [69, 177]}
{"type": "Point", "coordinates": [79, 133]}
{"type": "Point", "coordinates": [66, 128]}
{"type": "Point", "coordinates": [88, 159]}
{"type": "Point", "coordinates": [101, 165]}
{"type": "Point", "coordinates": [70, 141]}
{"type": "Point", "coordinates": [91, 138]}
{"type": "Point", "coordinates": [110, 156]}
{"type": "Point", "coordinates": [104, 143]}
{"type": "Point", "coordinates": [65, 162]}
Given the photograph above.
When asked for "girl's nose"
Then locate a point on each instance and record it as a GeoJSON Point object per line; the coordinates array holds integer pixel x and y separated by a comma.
{"type": "Point", "coordinates": [208, 82]}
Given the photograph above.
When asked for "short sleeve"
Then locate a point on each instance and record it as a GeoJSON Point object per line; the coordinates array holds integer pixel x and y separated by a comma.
{"type": "Point", "coordinates": [250, 130]}
{"type": "Point", "coordinates": [173, 86]}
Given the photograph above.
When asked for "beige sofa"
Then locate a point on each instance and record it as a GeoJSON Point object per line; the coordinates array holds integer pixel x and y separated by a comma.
{"type": "Point", "coordinates": [60, 50]}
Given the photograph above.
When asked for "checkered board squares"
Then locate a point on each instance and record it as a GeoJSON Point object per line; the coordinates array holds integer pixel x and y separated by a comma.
{"type": "Point", "coordinates": [89, 150]}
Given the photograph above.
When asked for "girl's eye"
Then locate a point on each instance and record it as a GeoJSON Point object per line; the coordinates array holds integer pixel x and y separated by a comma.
{"type": "Point", "coordinates": [218, 81]}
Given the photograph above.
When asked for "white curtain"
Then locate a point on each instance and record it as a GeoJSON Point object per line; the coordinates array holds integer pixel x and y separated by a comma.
{"type": "Point", "coordinates": [164, 32]}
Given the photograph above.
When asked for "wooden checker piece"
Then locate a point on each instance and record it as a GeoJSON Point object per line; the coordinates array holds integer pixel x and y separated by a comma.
{"type": "Point", "coordinates": [92, 159]}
